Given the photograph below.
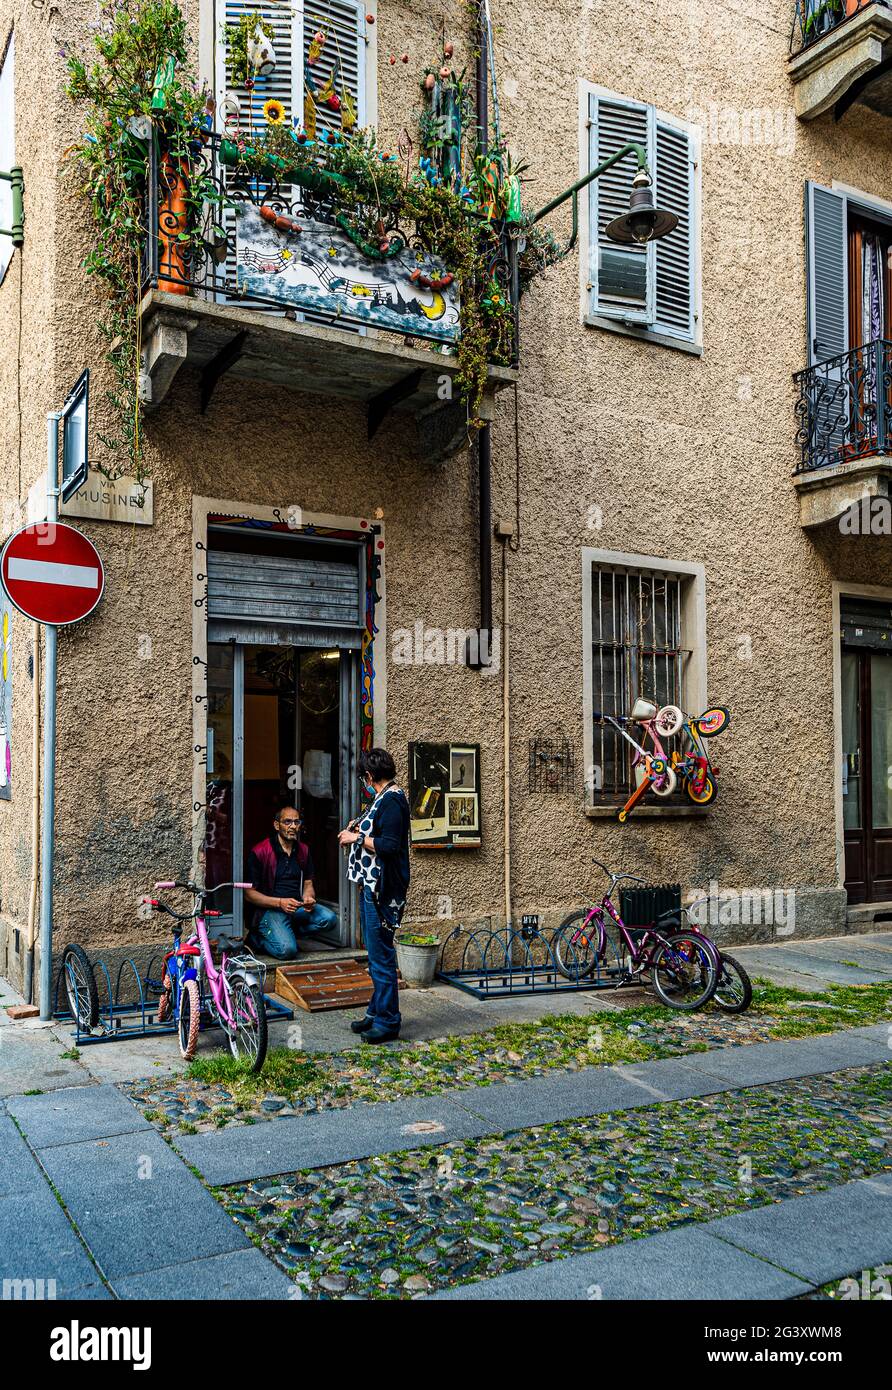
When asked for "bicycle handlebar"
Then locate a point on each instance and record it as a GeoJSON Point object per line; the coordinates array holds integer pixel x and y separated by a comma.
{"type": "Point", "coordinates": [615, 878]}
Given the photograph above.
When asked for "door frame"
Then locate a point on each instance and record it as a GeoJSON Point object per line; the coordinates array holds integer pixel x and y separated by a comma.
{"type": "Point", "coordinates": [369, 681]}
{"type": "Point", "coordinates": [843, 589]}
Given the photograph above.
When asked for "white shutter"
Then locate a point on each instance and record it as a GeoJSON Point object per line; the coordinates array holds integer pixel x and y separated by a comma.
{"type": "Point", "coordinates": [653, 286]}
{"type": "Point", "coordinates": [283, 23]}
{"type": "Point", "coordinates": [7, 151]}
{"type": "Point", "coordinates": [343, 23]}
{"type": "Point", "coordinates": [673, 174]}
{"type": "Point", "coordinates": [619, 274]}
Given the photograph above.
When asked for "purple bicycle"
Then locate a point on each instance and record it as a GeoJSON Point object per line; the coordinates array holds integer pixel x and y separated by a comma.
{"type": "Point", "coordinates": [684, 966]}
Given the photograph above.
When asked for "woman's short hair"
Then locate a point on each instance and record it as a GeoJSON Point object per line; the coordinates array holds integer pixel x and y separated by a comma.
{"type": "Point", "coordinates": [377, 765]}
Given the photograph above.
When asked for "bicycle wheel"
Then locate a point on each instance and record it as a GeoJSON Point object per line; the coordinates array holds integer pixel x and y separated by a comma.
{"type": "Point", "coordinates": [685, 971]}
{"type": "Point", "coordinates": [80, 987]}
{"type": "Point", "coordinates": [706, 793]}
{"type": "Point", "coordinates": [576, 950]}
{"type": "Point", "coordinates": [248, 1041]}
{"type": "Point", "coordinates": [667, 783]}
{"type": "Point", "coordinates": [734, 991]}
{"type": "Point", "coordinates": [712, 721]}
{"type": "Point", "coordinates": [190, 1015]}
{"type": "Point", "coordinates": [668, 720]}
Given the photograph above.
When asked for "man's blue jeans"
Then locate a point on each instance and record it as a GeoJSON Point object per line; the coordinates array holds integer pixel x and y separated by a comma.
{"type": "Point", "coordinates": [384, 1006]}
{"type": "Point", "coordinates": [276, 933]}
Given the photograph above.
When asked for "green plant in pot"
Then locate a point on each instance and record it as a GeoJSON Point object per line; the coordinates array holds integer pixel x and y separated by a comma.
{"type": "Point", "coordinates": [417, 954]}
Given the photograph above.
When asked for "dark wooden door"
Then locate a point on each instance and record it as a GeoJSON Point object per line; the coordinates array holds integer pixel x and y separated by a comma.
{"type": "Point", "coordinates": [867, 773]}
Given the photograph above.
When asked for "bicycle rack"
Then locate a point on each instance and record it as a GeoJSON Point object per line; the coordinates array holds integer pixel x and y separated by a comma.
{"type": "Point", "coordinates": [135, 1017]}
{"type": "Point", "coordinates": [496, 962]}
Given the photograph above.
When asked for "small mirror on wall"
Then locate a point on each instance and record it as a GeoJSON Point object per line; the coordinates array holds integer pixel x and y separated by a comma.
{"type": "Point", "coordinates": [75, 412]}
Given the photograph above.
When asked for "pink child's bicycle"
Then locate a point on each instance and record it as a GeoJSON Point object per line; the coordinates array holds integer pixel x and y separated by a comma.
{"type": "Point", "coordinates": [231, 994]}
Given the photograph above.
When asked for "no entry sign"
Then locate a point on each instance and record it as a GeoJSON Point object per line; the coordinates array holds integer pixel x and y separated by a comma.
{"type": "Point", "coordinates": [52, 573]}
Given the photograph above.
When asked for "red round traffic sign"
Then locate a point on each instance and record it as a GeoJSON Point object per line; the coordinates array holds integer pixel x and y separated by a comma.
{"type": "Point", "coordinates": [52, 573]}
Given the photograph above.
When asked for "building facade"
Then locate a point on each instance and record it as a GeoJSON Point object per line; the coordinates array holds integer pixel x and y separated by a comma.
{"type": "Point", "coordinates": [671, 515]}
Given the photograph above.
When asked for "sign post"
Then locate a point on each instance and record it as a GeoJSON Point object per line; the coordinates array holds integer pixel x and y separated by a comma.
{"type": "Point", "coordinates": [54, 575]}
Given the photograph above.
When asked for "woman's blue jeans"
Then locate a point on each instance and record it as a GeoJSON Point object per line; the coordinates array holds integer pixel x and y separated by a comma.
{"type": "Point", "coordinates": [384, 1006]}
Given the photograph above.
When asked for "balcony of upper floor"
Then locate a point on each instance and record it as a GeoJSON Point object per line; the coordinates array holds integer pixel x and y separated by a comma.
{"type": "Point", "coordinates": [841, 53]}
{"type": "Point", "coordinates": [280, 286]}
{"type": "Point", "coordinates": [844, 414]}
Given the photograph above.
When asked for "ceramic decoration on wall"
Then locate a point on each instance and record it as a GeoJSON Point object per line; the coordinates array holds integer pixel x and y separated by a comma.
{"type": "Point", "coordinates": [314, 266]}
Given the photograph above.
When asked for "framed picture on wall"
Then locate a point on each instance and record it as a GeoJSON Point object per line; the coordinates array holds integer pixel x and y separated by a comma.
{"type": "Point", "coordinates": [444, 795]}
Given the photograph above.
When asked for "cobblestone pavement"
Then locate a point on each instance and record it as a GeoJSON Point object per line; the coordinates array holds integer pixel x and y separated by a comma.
{"type": "Point", "coordinates": [295, 1083]}
{"type": "Point", "coordinates": [402, 1225]}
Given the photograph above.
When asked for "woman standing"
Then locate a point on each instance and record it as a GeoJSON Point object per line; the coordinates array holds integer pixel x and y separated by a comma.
{"type": "Point", "coordinates": [379, 863]}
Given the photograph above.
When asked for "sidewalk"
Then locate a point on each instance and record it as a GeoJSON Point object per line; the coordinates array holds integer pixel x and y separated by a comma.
{"type": "Point", "coordinates": [122, 1186]}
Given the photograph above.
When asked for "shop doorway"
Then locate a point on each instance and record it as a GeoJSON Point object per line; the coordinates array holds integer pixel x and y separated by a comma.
{"type": "Point", "coordinates": [284, 632]}
{"type": "Point", "coordinates": [866, 676]}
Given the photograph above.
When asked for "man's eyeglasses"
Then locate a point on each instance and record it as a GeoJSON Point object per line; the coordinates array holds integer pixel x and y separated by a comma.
{"type": "Point", "coordinates": [288, 824]}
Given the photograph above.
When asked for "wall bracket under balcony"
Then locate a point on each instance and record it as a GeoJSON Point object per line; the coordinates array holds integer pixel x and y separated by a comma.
{"type": "Point", "coordinates": [369, 369]}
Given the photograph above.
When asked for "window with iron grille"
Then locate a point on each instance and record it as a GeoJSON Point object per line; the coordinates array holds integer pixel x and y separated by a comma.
{"type": "Point", "coordinates": [638, 627]}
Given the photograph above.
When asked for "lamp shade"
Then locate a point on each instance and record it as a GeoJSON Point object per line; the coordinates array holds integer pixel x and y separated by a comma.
{"type": "Point", "coordinates": [643, 222]}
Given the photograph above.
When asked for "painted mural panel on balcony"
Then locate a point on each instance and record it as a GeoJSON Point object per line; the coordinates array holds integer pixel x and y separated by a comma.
{"type": "Point", "coordinates": [312, 266]}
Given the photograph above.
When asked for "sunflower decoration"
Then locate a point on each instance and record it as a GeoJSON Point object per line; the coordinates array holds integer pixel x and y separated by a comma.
{"type": "Point", "coordinates": [274, 112]}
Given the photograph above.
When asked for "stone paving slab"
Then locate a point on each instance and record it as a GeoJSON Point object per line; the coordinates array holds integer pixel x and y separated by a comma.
{"type": "Point", "coordinates": [75, 1115]}
{"type": "Point", "coordinates": [32, 1057]}
{"type": "Point", "coordinates": [241, 1274]}
{"type": "Point", "coordinates": [18, 1171]}
{"type": "Point", "coordinates": [242, 1152]}
{"type": "Point", "coordinates": [822, 1237]}
{"type": "Point", "coordinates": [125, 1218]}
{"type": "Point", "coordinates": [38, 1242]}
{"type": "Point", "coordinates": [682, 1264]}
{"type": "Point", "coordinates": [759, 1064]}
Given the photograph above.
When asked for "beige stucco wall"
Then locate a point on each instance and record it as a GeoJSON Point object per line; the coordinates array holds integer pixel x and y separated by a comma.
{"type": "Point", "coordinates": [687, 457]}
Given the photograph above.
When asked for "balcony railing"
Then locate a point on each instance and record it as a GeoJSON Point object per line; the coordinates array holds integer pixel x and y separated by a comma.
{"type": "Point", "coordinates": [213, 266]}
{"type": "Point", "coordinates": [844, 407]}
{"type": "Point", "coordinates": [815, 18]}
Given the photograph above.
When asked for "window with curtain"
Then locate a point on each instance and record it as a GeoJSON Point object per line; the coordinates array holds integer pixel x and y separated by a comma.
{"type": "Point", "coordinates": [650, 288]}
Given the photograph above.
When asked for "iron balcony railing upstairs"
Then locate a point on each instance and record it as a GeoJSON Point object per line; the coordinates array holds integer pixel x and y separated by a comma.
{"type": "Point", "coordinates": [844, 407]}
{"type": "Point", "coordinates": [815, 18]}
{"type": "Point", "coordinates": [206, 264]}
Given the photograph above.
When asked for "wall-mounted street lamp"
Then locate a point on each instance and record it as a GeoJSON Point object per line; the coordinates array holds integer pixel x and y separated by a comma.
{"type": "Point", "coordinates": [642, 223]}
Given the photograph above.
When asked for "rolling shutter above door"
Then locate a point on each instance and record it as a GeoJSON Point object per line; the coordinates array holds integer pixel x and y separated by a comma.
{"type": "Point", "coordinates": [285, 599]}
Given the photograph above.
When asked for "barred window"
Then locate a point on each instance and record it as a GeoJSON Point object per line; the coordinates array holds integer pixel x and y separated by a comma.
{"type": "Point", "coordinates": [636, 650]}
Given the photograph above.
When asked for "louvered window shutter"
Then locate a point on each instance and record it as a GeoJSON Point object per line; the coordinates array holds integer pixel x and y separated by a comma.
{"type": "Point", "coordinates": [830, 399]}
{"type": "Point", "coordinates": [673, 255]}
{"type": "Point", "coordinates": [654, 285]}
{"type": "Point", "coordinates": [341, 64]}
{"type": "Point", "coordinates": [828, 309]}
{"type": "Point", "coordinates": [618, 274]}
{"type": "Point", "coordinates": [283, 24]}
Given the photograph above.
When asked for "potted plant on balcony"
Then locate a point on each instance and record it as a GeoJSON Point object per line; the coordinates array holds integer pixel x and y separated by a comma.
{"type": "Point", "coordinates": [416, 956]}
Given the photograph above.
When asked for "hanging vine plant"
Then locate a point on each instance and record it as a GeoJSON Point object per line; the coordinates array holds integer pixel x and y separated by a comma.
{"type": "Point", "coordinates": [139, 86]}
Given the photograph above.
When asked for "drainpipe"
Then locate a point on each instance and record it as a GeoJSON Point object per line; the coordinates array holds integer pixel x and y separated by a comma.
{"type": "Point", "coordinates": [35, 822]}
{"type": "Point", "coordinates": [484, 439]}
{"type": "Point", "coordinates": [506, 726]}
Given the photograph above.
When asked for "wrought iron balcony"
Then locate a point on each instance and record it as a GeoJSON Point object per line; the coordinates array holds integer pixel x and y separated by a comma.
{"type": "Point", "coordinates": [844, 417]}
{"type": "Point", "coordinates": [250, 297]}
{"type": "Point", "coordinates": [840, 53]}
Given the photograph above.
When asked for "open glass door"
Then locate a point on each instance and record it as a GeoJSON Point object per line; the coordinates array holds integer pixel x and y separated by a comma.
{"type": "Point", "coordinates": [280, 730]}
